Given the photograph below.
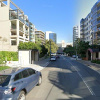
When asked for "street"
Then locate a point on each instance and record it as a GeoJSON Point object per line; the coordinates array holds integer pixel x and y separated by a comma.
{"type": "Point", "coordinates": [66, 79]}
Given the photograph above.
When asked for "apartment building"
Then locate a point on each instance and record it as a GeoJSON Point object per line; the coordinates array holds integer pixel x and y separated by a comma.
{"type": "Point", "coordinates": [40, 35]}
{"type": "Point", "coordinates": [75, 34]}
{"type": "Point", "coordinates": [90, 26]}
{"type": "Point", "coordinates": [14, 26]}
{"type": "Point", "coordinates": [51, 35]}
{"type": "Point", "coordinates": [85, 29]}
{"type": "Point", "coordinates": [31, 32]}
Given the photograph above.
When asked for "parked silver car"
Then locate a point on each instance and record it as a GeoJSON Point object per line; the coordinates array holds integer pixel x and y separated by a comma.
{"type": "Point", "coordinates": [16, 83]}
{"type": "Point", "coordinates": [53, 58]}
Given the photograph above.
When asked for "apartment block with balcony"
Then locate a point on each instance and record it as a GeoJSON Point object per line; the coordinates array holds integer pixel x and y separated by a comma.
{"type": "Point", "coordinates": [75, 34]}
{"type": "Point", "coordinates": [91, 30]}
{"type": "Point", "coordinates": [14, 26]}
{"type": "Point", "coordinates": [96, 22]}
{"type": "Point", "coordinates": [85, 29]}
{"type": "Point", "coordinates": [40, 35]}
{"type": "Point", "coordinates": [31, 32]}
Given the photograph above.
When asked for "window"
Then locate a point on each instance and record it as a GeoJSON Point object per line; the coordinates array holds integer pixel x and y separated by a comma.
{"type": "Point", "coordinates": [13, 43]}
{"type": "Point", "coordinates": [18, 76]}
{"type": "Point", "coordinates": [4, 80]}
{"type": "Point", "coordinates": [31, 71]}
{"type": "Point", "coordinates": [25, 74]}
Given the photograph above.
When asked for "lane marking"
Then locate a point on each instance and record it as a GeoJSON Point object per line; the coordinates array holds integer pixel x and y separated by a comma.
{"type": "Point", "coordinates": [92, 93]}
{"type": "Point", "coordinates": [46, 64]}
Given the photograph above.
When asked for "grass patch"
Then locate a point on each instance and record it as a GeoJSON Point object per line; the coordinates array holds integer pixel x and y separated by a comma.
{"type": "Point", "coordinates": [3, 67]}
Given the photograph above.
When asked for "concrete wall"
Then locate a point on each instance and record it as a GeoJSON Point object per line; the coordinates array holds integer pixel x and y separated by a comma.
{"type": "Point", "coordinates": [94, 56]}
{"type": "Point", "coordinates": [4, 29]}
{"type": "Point", "coordinates": [27, 57]}
{"type": "Point", "coordinates": [37, 56]}
{"type": "Point", "coordinates": [99, 55]}
{"type": "Point", "coordinates": [24, 57]}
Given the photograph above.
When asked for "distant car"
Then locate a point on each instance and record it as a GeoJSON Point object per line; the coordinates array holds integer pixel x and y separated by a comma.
{"type": "Point", "coordinates": [57, 56]}
{"type": "Point", "coordinates": [74, 56]}
{"type": "Point", "coordinates": [16, 84]}
{"type": "Point", "coordinates": [53, 58]}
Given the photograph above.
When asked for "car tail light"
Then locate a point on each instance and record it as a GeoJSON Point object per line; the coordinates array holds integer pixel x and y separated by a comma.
{"type": "Point", "coordinates": [13, 89]}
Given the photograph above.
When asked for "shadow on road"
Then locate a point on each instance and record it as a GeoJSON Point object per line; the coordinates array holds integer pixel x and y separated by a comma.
{"type": "Point", "coordinates": [67, 80]}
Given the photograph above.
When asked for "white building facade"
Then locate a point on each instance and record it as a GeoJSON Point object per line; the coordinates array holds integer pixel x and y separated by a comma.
{"type": "Point", "coordinates": [14, 26]}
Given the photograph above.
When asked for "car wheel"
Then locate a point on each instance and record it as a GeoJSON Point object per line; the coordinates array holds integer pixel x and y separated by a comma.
{"type": "Point", "coordinates": [40, 81]}
{"type": "Point", "coordinates": [22, 96]}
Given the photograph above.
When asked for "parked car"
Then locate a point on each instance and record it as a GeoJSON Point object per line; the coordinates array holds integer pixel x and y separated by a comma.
{"type": "Point", "coordinates": [16, 83]}
{"type": "Point", "coordinates": [74, 56]}
{"type": "Point", "coordinates": [57, 56]}
{"type": "Point", "coordinates": [53, 58]}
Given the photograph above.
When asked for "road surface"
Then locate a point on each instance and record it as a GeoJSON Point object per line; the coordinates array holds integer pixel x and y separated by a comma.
{"type": "Point", "coordinates": [66, 79]}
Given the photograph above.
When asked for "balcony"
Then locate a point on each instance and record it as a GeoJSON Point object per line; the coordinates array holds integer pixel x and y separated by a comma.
{"type": "Point", "coordinates": [98, 22]}
{"type": "Point", "coordinates": [98, 9]}
{"type": "Point", "coordinates": [32, 26]}
{"type": "Point", "coordinates": [27, 23]}
{"type": "Point", "coordinates": [31, 30]}
{"type": "Point", "coordinates": [21, 29]}
{"type": "Point", "coordinates": [26, 32]}
{"type": "Point", "coordinates": [13, 27]}
{"type": "Point", "coordinates": [14, 14]}
{"type": "Point", "coordinates": [31, 37]}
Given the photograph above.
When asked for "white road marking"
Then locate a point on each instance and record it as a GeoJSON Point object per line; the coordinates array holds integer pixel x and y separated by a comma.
{"type": "Point", "coordinates": [46, 64]}
{"type": "Point", "coordinates": [92, 93]}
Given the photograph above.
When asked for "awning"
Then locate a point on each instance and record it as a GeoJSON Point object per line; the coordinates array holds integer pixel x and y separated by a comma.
{"type": "Point", "coordinates": [93, 50]}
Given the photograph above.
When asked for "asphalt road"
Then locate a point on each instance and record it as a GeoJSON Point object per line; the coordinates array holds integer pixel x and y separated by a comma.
{"type": "Point", "coordinates": [67, 79]}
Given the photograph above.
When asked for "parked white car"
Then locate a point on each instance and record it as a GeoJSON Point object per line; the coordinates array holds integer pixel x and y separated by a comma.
{"type": "Point", "coordinates": [53, 58]}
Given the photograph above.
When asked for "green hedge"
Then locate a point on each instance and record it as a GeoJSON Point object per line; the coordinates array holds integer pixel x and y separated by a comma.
{"type": "Point", "coordinates": [96, 61]}
{"type": "Point", "coordinates": [6, 55]}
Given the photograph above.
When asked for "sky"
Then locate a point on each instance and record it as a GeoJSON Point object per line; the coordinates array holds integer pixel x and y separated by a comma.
{"type": "Point", "coordinates": [59, 16]}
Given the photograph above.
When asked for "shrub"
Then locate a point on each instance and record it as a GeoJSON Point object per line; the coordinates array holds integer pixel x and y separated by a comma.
{"type": "Point", "coordinates": [93, 61]}
{"type": "Point", "coordinates": [6, 55]}
{"type": "Point", "coordinates": [96, 61]}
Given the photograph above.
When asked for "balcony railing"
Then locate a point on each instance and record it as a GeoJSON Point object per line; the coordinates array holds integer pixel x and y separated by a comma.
{"type": "Point", "coordinates": [13, 14]}
{"type": "Point", "coordinates": [21, 19]}
{"type": "Point", "coordinates": [13, 27]}
{"type": "Point", "coordinates": [26, 32]}
{"type": "Point", "coordinates": [98, 15]}
{"type": "Point", "coordinates": [21, 29]}
{"type": "Point", "coordinates": [98, 8]}
{"type": "Point", "coordinates": [31, 37]}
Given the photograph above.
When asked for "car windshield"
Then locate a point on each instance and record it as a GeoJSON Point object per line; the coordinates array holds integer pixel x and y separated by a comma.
{"type": "Point", "coordinates": [4, 80]}
{"type": "Point", "coordinates": [52, 57]}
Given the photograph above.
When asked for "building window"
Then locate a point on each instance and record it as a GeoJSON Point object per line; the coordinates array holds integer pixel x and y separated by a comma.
{"type": "Point", "coordinates": [13, 43]}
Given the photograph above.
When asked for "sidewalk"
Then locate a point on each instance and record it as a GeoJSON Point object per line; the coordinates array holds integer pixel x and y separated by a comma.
{"type": "Point", "coordinates": [94, 66]}
{"type": "Point", "coordinates": [38, 65]}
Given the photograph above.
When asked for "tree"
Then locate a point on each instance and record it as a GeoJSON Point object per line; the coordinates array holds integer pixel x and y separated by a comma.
{"type": "Point", "coordinates": [82, 47]}
{"type": "Point", "coordinates": [69, 50]}
{"type": "Point", "coordinates": [54, 47]}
